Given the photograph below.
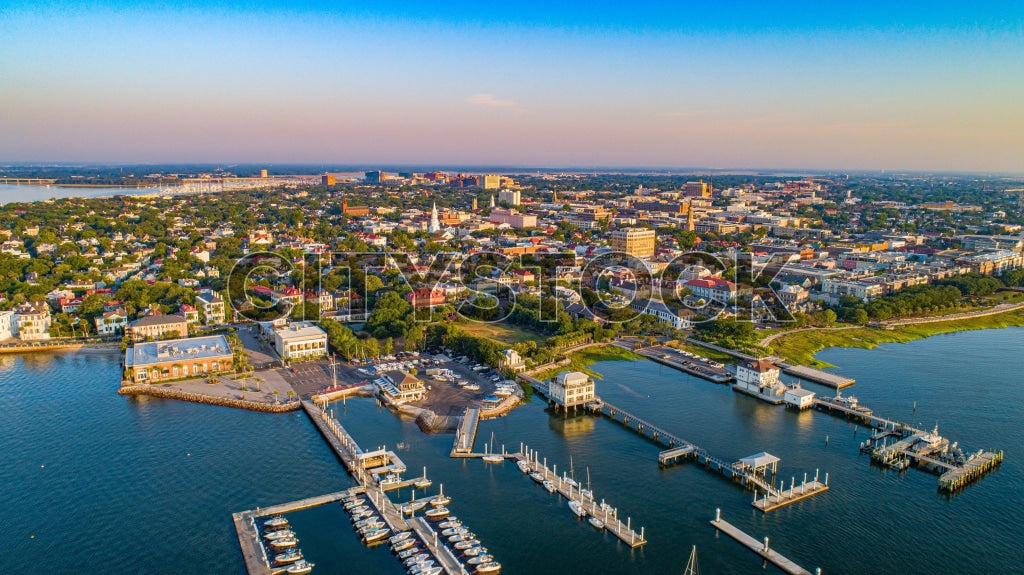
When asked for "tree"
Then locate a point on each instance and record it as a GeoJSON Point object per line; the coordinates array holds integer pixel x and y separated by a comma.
{"type": "Point", "coordinates": [860, 316]}
{"type": "Point", "coordinates": [388, 346]}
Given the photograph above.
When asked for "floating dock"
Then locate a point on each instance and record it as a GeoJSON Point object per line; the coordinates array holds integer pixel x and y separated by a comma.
{"type": "Point", "coordinates": [784, 497]}
{"type": "Point", "coordinates": [465, 435]}
{"type": "Point", "coordinates": [833, 380]}
{"type": "Point", "coordinates": [760, 547]}
{"type": "Point", "coordinates": [623, 531]}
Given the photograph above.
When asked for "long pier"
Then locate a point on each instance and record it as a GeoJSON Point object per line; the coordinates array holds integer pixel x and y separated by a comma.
{"type": "Point", "coordinates": [760, 547]}
{"type": "Point", "coordinates": [465, 435]}
{"type": "Point", "coordinates": [442, 555]}
{"type": "Point", "coordinates": [818, 376]}
{"type": "Point", "coordinates": [685, 365]}
{"type": "Point", "coordinates": [623, 531]}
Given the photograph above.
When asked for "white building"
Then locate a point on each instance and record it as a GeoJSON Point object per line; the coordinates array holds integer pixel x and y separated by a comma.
{"type": "Point", "coordinates": [759, 377]}
{"type": "Point", "coordinates": [510, 359]}
{"type": "Point", "coordinates": [400, 386]}
{"type": "Point", "coordinates": [300, 340]}
{"type": "Point", "coordinates": [798, 397]}
{"type": "Point", "coordinates": [658, 309]}
{"type": "Point", "coordinates": [112, 323]}
{"type": "Point", "coordinates": [510, 197]}
{"type": "Point", "coordinates": [8, 325]}
{"type": "Point", "coordinates": [32, 321]}
{"type": "Point", "coordinates": [571, 388]}
{"type": "Point", "coordinates": [212, 308]}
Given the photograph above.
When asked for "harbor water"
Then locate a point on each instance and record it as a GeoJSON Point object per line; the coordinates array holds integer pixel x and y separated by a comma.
{"type": "Point", "coordinates": [142, 485]}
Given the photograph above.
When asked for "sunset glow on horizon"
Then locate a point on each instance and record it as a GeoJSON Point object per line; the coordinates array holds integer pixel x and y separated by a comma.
{"type": "Point", "coordinates": [738, 85]}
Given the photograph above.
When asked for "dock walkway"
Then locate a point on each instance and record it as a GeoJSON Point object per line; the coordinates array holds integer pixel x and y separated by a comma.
{"type": "Point", "coordinates": [759, 547]}
{"type": "Point", "coordinates": [833, 380]}
{"type": "Point", "coordinates": [441, 554]}
{"type": "Point", "coordinates": [465, 435]}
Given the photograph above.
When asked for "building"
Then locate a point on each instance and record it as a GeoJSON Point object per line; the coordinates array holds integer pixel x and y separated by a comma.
{"type": "Point", "coordinates": [401, 386]}
{"type": "Point", "coordinates": [863, 291]}
{"type": "Point", "coordinates": [511, 360]}
{"type": "Point", "coordinates": [328, 180]}
{"type": "Point", "coordinates": [32, 321]}
{"type": "Point", "coordinates": [637, 242]}
{"type": "Point", "coordinates": [760, 378]}
{"type": "Point", "coordinates": [157, 326]}
{"type": "Point", "coordinates": [698, 189]}
{"type": "Point", "coordinates": [490, 182]}
{"type": "Point", "coordinates": [992, 242]}
{"type": "Point", "coordinates": [658, 309]}
{"type": "Point", "coordinates": [435, 225]}
{"type": "Point", "coordinates": [299, 340]}
{"type": "Point", "coordinates": [8, 325]}
{"type": "Point", "coordinates": [376, 177]}
{"type": "Point", "coordinates": [177, 358]}
{"type": "Point", "coordinates": [712, 289]}
{"type": "Point", "coordinates": [212, 308]}
{"type": "Point", "coordinates": [354, 211]}
{"type": "Point", "coordinates": [571, 389]}
{"type": "Point", "coordinates": [510, 197]}
{"type": "Point", "coordinates": [112, 322]}
{"type": "Point", "coordinates": [512, 218]}
{"type": "Point", "coordinates": [425, 297]}
{"type": "Point", "coordinates": [798, 397]}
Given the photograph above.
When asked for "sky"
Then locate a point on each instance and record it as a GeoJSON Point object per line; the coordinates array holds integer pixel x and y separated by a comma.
{"type": "Point", "coordinates": [725, 84]}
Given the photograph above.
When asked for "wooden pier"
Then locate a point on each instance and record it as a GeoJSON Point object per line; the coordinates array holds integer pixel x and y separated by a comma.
{"type": "Point", "coordinates": [255, 556]}
{"type": "Point", "coordinates": [442, 555]}
{"type": "Point", "coordinates": [784, 497]}
{"type": "Point", "coordinates": [465, 435]}
{"type": "Point", "coordinates": [759, 547]}
{"type": "Point", "coordinates": [833, 380]}
{"type": "Point", "coordinates": [975, 467]}
{"type": "Point", "coordinates": [623, 531]}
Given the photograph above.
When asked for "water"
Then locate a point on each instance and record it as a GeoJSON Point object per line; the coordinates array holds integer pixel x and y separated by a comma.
{"type": "Point", "coordinates": [35, 193]}
{"type": "Point", "coordinates": [118, 467]}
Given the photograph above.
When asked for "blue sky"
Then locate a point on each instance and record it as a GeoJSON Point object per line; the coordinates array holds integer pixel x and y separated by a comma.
{"type": "Point", "coordinates": [734, 85]}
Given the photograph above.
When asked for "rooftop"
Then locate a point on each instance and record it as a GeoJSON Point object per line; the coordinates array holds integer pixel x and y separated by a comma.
{"type": "Point", "coordinates": [177, 349]}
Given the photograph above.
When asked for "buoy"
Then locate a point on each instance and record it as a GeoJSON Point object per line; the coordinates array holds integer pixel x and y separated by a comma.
{"type": "Point", "coordinates": [189, 454]}
{"type": "Point", "coordinates": [31, 536]}
{"type": "Point", "coordinates": [42, 467]}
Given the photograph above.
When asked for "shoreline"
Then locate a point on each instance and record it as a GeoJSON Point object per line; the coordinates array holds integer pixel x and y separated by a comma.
{"type": "Point", "coordinates": [582, 359]}
{"type": "Point", "coordinates": [802, 347]}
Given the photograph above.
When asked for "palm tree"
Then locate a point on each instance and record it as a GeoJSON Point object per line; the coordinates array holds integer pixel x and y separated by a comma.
{"type": "Point", "coordinates": [276, 394]}
{"type": "Point", "coordinates": [291, 395]}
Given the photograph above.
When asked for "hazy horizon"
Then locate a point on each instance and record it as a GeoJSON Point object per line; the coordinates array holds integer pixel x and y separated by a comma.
{"type": "Point", "coordinates": [914, 87]}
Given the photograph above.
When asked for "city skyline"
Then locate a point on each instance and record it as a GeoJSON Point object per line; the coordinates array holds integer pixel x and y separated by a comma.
{"type": "Point", "coordinates": [910, 87]}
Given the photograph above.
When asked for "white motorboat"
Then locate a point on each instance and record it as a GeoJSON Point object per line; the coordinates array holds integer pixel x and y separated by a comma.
{"type": "Point", "coordinates": [450, 522]}
{"type": "Point", "coordinates": [453, 531]}
{"type": "Point", "coordinates": [419, 558]}
{"type": "Point", "coordinates": [354, 503]}
{"type": "Point", "coordinates": [492, 567]}
{"type": "Point", "coordinates": [461, 537]}
{"type": "Point", "coordinates": [407, 553]}
{"type": "Point", "coordinates": [403, 545]}
{"type": "Point", "coordinates": [400, 537]}
{"type": "Point", "coordinates": [441, 498]}
{"type": "Point", "coordinates": [597, 523]}
{"type": "Point", "coordinates": [289, 557]}
{"type": "Point", "coordinates": [413, 506]}
{"type": "Point", "coordinates": [376, 535]}
{"type": "Point", "coordinates": [285, 533]}
{"type": "Point", "coordinates": [490, 456]}
{"type": "Point", "coordinates": [550, 486]}
{"type": "Point", "coordinates": [479, 560]}
{"type": "Point", "coordinates": [569, 481]}
{"type": "Point", "coordinates": [523, 466]}
{"type": "Point", "coordinates": [435, 570]}
{"type": "Point", "coordinates": [284, 543]}
{"type": "Point", "coordinates": [357, 509]}
{"type": "Point", "coordinates": [275, 522]}
{"type": "Point", "coordinates": [376, 525]}
{"type": "Point", "coordinates": [467, 544]}
{"type": "Point", "coordinates": [474, 551]}
{"type": "Point", "coordinates": [300, 567]}
{"type": "Point", "coordinates": [536, 476]}
{"type": "Point", "coordinates": [437, 513]}
{"type": "Point", "coordinates": [577, 508]}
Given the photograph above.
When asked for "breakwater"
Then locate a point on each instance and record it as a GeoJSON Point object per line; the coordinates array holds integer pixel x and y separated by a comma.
{"type": "Point", "coordinates": [163, 392]}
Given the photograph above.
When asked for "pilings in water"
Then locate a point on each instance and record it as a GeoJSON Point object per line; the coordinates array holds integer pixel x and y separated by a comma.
{"type": "Point", "coordinates": [761, 548]}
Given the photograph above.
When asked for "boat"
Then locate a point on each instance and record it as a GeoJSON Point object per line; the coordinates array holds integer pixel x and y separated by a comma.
{"type": "Point", "coordinates": [390, 479]}
{"type": "Point", "coordinates": [491, 457]}
{"type": "Point", "coordinates": [422, 482]}
{"type": "Point", "coordinates": [550, 486]}
{"type": "Point", "coordinates": [291, 556]}
{"type": "Point", "coordinates": [461, 537]}
{"type": "Point", "coordinates": [467, 544]}
{"type": "Point", "coordinates": [492, 567]}
{"type": "Point", "coordinates": [354, 503]}
{"type": "Point", "coordinates": [275, 522]}
{"type": "Point", "coordinates": [536, 476]}
{"type": "Point", "coordinates": [285, 533]}
{"type": "Point", "coordinates": [577, 508]}
{"type": "Point", "coordinates": [450, 522]}
{"type": "Point", "coordinates": [435, 570]}
{"type": "Point", "coordinates": [437, 513]}
{"type": "Point", "coordinates": [441, 498]}
{"type": "Point", "coordinates": [300, 567]}
{"type": "Point", "coordinates": [453, 531]}
{"type": "Point", "coordinates": [479, 559]}
{"type": "Point", "coordinates": [401, 536]}
{"type": "Point", "coordinates": [357, 509]}
{"type": "Point", "coordinates": [419, 557]}
{"type": "Point", "coordinates": [372, 526]}
{"type": "Point", "coordinates": [376, 535]}
{"type": "Point", "coordinates": [475, 551]}
{"type": "Point", "coordinates": [587, 493]}
{"type": "Point", "coordinates": [413, 506]}
{"type": "Point", "coordinates": [597, 523]}
{"type": "Point", "coordinates": [372, 518]}
{"type": "Point", "coordinates": [523, 466]}
{"type": "Point", "coordinates": [407, 553]}
{"type": "Point", "coordinates": [284, 543]}
{"type": "Point", "coordinates": [403, 545]}
{"type": "Point", "coordinates": [608, 509]}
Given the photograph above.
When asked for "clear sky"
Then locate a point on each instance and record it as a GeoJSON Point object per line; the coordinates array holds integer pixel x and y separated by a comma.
{"type": "Point", "coordinates": [718, 84]}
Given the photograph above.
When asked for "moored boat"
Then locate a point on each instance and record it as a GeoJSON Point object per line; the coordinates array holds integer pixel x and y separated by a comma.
{"type": "Point", "coordinates": [437, 513]}
{"type": "Point", "coordinates": [479, 560]}
{"type": "Point", "coordinates": [275, 522]}
{"type": "Point", "coordinates": [577, 508]}
{"type": "Point", "coordinates": [284, 543]}
{"type": "Point", "coordinates": [376, 535]}
{"type": "Point", "coordinates": [467, 544]}
{"type": "Point", "coordinates": [523, 466]}
{"type": "Point", "coordinates": [300, 567]}
{"type": "Point", "coordinates": [597, 523]}
{"type": "Point", "coordinates": [283, 534]}
{"type": "Point", "coordinates": [550, 486]}
{"type": "Point", "coordinates": [413, 507]}
{"type": "Point", "coordinates": [403, 545]}
{"type": "Point", "coordinates": [400, 537]}
{"type": "Point", "coordinates": [492, 567]}
{"type": "Point", "coordinates": [536, 476]}
{"type": "Point", "coordinates": [290, 557]}
{"type": "Point", "coordinates": [407, 553]}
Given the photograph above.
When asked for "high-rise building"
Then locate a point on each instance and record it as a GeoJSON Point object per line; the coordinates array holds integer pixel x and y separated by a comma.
{"type": "Point", "coordinates": [474, 203]}
{"type": "Point", "coordinates": [698, 189]}
{"type": "Point", "coordinates": [489, 181]}
{"type": "Point", "coordinates": [376, 177]}
{"type": "Point", "coordinates": [263, 173]}
{"type": "Point", "coordinates": [511, 197]}
{"type": "Point", "coordinates": [328, 180]}
{"type": "Point", "coordinates": [637, 242]}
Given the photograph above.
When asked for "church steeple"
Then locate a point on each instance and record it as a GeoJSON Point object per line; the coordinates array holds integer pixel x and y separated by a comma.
{"type": "Point", "coordinates": [435, 224]}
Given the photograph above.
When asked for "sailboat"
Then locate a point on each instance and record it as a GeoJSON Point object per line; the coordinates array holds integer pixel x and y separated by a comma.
{"type": "Point", "coordinates": [491, 457]}
{"type": "Point", "coordinates": [441, 499]}
{"type": "Point", "coordinates": [587, 493]}
{"type": "Point", "coordinates": [691, 565]}
{"type": "Point", "coordinates": [570, 479]}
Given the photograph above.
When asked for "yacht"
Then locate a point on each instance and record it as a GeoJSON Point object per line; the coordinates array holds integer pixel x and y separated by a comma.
{"type": "Point", "coordinates": [437, 513]}
{"type": "Point", "coordinates": [300, 567]}
{"type": "Point", "coordinates": [523, 466]}
{"type": "Point", "coordinates": [279, 535]}
{"type": "Point", "coordinates": [290, 557]}
{"type": "Point", "coordinates": [275, 522]}
{"type": "Point", "coordinates": [597, 523]}
{"type": "Point", "coordinates": [284, 543]}
{"type": "Point", "coordinates": [577, 508]}
{"type": "Point", "coordinates": [569, 481]}
{"type": "Point", "coordinates": [492, 567]}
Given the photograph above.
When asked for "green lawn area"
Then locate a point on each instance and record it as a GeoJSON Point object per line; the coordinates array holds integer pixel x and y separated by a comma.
{"type": "Point", "coordinates": [800, 347]}
{"type": "Point", "coordinates": [583, 359]}
{"type": "Point", "coordinates": [500, 332]}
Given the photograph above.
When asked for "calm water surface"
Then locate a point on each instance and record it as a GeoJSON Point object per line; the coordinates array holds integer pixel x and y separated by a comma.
{"type": "Point", "coordinates": [120, 489]}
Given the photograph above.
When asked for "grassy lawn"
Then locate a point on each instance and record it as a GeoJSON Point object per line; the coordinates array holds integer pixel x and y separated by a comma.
{"type": "Point", "coordinates": [583, 359]}
{"type": "Point", "coordinates": [800, 347]}
{"type": "Point", "coordinates": [500, 332]}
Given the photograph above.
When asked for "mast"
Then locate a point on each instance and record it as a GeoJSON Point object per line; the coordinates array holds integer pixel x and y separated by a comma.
{"type": "Point", "coordinates": [691, 564]}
